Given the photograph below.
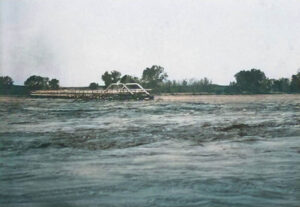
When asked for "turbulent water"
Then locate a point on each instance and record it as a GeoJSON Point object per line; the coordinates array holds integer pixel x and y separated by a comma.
{"type": "Point", "coordinates": [173, 151]}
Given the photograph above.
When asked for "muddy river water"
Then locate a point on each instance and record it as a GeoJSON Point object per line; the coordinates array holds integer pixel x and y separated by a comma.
{"type": "Point", "coordinates": [172, 151]}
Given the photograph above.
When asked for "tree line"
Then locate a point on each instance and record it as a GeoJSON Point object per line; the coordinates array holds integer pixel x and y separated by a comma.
{"type": "Point", "coordinates": [152, 77]}
{"type": "Point", "coordinates": [34, 82]}
{"type": "Point", "coordinates": [255, 81]}
{"type": "Point", "coordinates": [252, 81]}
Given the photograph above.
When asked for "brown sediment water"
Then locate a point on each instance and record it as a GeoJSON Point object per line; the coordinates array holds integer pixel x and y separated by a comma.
{"type": "Point", "coordinates": [230, 98]}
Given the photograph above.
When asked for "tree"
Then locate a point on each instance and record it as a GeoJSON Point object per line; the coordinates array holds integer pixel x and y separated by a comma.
{"type": "Point", "coordinates": [37, 83]}
{"type": "Point", "coordinates": [295, 83]}
{"type": "Point", "coordinates": [93, 86]}
{"type": "Point", "coordinates": [6, 82]}
{"type": "Point", "coordinates": [112, 77]}
{"type": "Point", "coordinates": [253, 81]}
{"type": "Point", "coordinates": [129, 79]}
{"type": "Point", "coordinates": [280, 85]}
{"type": "Point", "coordinates": [205, 84]}
{"type": "Point", "coordinates": [54, 84]}
{"type": "Point", "coordinates": [154, 76]}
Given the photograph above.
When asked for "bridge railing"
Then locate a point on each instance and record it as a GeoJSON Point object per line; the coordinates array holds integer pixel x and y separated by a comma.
{"type": "Point", "coordinates": [126, 87]}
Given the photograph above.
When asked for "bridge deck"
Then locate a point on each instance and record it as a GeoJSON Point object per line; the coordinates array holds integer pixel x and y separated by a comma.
{"type": "Point", "coordinates": [114, 91]}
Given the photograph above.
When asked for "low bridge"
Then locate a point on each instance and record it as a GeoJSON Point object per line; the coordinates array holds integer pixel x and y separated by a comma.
{"type": "Point", "coordinates": [115, 91]}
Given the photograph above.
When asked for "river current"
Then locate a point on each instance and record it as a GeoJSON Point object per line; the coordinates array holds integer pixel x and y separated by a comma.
{"type": "Point", "coordinates": [172, 151]}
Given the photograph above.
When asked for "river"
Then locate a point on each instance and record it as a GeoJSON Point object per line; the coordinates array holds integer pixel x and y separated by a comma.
{"type": "Point", "coordinates": [172, 151]}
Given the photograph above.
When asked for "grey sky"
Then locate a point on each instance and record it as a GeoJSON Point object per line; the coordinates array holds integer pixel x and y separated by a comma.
{"type": "Point", "coordinates": [77, 40]}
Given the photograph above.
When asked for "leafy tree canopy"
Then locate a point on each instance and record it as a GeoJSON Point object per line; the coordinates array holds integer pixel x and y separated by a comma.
{"type": "Point", "coordinates": [54, 84]}
{"type": "Point", "coordinates": [253, 81]}
{"type": "Point", "coordinates": [37, 83]}
{"type": "Point", "coordinates": [6, 82]}
{"type": "Point", "coordinates": [111, 77]}
{"type": "Point", "coordinates": [280, 85]}
{"type": "Point", "coordinates": [295, 83]}
{"type": "Point", "coordinates": [93, 86]}
{"type": "Point", "coordinates": [129, 79]}
{"type": "Point", "coordinates": [153, 76]}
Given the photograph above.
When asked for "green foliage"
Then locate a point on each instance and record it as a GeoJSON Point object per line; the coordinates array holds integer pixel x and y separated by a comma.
{"type": "Point", "coordinates": [295, 83]}
{"type": "Point", "coordinates": [187, 86]}
{"type": "Point", "coordinates": [111, 77]}
{"type": "Point", "coordinates": [154, 76]}
{"type": "Point", "coordinates": [280, 85]}
{"type": "Point", "coordinates": [129, 79]}
{"type": "Point", "coordinates": [232, 88]}
{"type": "Point", "coordinates": [6, 82]}
{"type": "Point", "coordinates": [37, 83]}
{"type": "Point", "coordinates": [93, 86]}
{"type": "Point", "coordinates": [15, 90]}
{"type": "Point", "coordinates": [54, 84]}
{"type": "Point", "coordinates": [247, 81]}
{"type": "Point", "coordinates": [252, 81]}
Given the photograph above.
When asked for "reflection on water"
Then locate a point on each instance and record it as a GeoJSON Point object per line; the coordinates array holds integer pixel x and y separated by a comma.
{"type": "Point", "coordinates": [197, 151]}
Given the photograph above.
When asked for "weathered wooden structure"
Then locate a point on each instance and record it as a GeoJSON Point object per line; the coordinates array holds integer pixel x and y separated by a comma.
{"type": "Point", "coordinates": [115, 91]}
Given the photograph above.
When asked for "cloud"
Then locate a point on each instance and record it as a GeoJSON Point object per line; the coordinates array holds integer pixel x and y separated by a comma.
{"type": "Point", "coordinates": [76, 41]}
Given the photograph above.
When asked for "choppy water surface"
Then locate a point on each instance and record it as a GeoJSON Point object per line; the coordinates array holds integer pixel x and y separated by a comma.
{"type": "Point", "coordinates": [197, 151]}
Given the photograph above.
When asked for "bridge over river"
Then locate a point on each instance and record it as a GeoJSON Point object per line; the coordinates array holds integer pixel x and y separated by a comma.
{"type": "Point", "coordinates": [115, 91]}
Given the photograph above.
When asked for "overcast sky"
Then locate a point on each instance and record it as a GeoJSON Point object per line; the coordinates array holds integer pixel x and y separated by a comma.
{"type": "Point", "coordinates": [78, 40]}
